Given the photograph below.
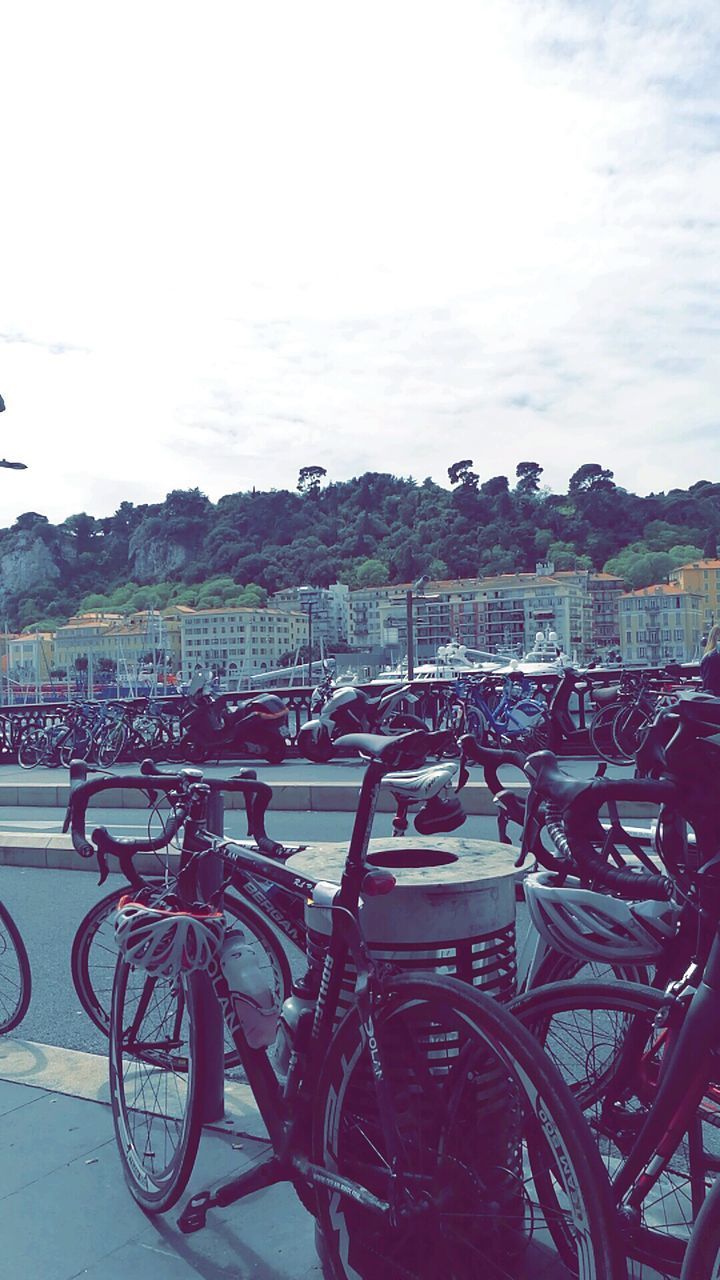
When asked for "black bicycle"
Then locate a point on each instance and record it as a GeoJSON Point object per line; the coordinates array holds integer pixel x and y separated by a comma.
{"type": "Point", "coordinates": [641, 1060]}
{"type": "Point", "coordinates": [15, 975]}
{"type": "Point", "coordinates": [406, 1127]}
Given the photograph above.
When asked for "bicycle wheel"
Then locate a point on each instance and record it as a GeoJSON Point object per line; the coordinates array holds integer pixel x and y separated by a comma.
{"type": "Point", "coordinates": [603, 1039]}
{"type": "Point", "coordinates": [630, 729]}
{"type": "Point", "coordinates": [702, 1260]}
{"type": "Point", "coordinates": [94, 955]}
{"type": "Point", "coordinates": [601, 733]}
{"type": "Point", "coordinates": [477, 725]}
{"type": "Point", "coordinates": [110, 745]}
{"type": "Point", "coordinates": [75, 745]}
{"type": "Point", "coordinates": [15, 977]}
{"type": "Point", "coordinates": [31, 748]}
{"type": "Point", "coordinates": [156, 1107]}
{"type": "Point", "coordinates": [555, 966]}
{"type": "Point", "coordinates": [471, 1093]}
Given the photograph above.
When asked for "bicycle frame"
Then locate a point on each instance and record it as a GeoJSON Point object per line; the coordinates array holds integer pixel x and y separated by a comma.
{"type": "Point", "coordinates": [285, 1113]}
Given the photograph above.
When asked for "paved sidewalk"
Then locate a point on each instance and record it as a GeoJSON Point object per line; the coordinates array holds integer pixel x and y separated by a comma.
{"type": "Point", "coordinates": [65, 1211]}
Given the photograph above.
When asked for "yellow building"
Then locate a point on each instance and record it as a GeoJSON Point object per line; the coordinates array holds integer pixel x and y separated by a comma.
{"type": "Point", "coordinates": [30, 659]}
{"type": "Point", "coordinates": [145, 640]}
{"type": "Point", "coordinates": [703, 578]}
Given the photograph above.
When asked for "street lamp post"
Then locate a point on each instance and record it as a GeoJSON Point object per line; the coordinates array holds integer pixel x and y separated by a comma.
{"type": "Point", "coordinates": [419, 586]}
{"type": "Point", "coordinates": [310, 640]}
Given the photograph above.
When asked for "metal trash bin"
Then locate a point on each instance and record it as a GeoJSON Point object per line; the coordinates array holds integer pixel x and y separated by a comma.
{"type": "Point", "coordinates": [452, 910]}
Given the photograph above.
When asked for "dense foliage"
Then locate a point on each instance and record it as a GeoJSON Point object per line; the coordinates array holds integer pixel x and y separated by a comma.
{"type": "Point", "coordinates": [372, 529]}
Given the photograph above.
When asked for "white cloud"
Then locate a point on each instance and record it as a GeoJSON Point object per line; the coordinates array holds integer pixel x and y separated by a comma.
{"type": "Point", "coordinates": [241, 239]}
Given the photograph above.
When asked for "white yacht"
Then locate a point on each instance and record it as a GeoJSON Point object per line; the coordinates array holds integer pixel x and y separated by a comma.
{"type": "Point", "coordinates": [546, 657]}
{"type": "Point", "coordinates": [451, 660]}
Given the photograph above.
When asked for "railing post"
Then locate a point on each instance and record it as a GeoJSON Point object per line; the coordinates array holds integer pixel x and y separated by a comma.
{"type": "Point", "coordinates": [211, 1022]}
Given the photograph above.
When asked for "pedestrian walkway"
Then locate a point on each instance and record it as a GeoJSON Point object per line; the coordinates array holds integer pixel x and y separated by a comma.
{"type": "Point", "coordinates": [66, 1213]}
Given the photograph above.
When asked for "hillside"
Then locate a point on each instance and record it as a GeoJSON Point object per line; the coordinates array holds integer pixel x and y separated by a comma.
{"type": "Point", "coordinates": [372, 529]}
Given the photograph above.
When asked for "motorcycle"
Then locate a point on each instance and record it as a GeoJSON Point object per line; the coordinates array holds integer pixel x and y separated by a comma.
{"type": "Point", "coordinates": [348, 709]}
{"type": "Point", "coordinates": [208, 727]}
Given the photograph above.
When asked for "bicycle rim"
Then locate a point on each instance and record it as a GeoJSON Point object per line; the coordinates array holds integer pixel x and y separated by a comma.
{"type": "Point", "coordinates": [156, 1107]}
{"type": "Point", "coordinates": [584, 1030]}
{"type": "Point", "coordinates": [470, 1094]}
{"type": "Point", "coordinates": [601, 734]}
{"type": "Point", "coordinates": [15, 977]}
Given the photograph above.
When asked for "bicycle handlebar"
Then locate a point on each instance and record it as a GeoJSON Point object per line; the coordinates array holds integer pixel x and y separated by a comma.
{"type": "Point", "coordinates": [581, 816]}
{"type": "Point", "coordinates": [81, 792]}
{"type": "Point", "coordinates": [257, 798]}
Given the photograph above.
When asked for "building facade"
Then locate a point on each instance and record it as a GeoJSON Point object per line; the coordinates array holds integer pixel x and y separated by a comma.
{"type": "Point", "coordinates": [701, 577]}
{"type": "Point", "coordinates": [496, 614]}
{"type": "Point", "coordinates": [327, 608]}
{"type": "Point", "coordinates": [237, 642]}
{"type": "Point", "coordinates": [660, 624]}
{"type": "Point", "coordinates": [148, 641]}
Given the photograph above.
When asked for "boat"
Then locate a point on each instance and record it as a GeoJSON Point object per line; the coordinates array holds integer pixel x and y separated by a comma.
{"type": "Point", "coordinates": [546, 657]}
{"type": "Point", "coordinates": [451, 660]}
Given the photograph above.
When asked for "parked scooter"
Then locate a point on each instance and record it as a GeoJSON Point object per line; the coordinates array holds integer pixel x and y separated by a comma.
{"type": "Point", "coordinates": [347, 709]}
{"type": "Point", "coordinates": [257, 726]}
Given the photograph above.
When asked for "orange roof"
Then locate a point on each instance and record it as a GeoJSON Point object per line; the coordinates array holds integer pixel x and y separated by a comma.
{"type": "Point", "coordinates": [698, 564]}
{"type": "Point", "coordinates": [660, 588]}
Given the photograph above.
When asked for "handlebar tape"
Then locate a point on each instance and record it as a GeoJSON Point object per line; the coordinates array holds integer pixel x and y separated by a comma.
{"type": "Point", "coordinates": [581, 817]}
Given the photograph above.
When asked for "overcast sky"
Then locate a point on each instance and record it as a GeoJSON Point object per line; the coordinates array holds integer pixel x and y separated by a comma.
{"type": "Point", "coordinates": [240, 238]}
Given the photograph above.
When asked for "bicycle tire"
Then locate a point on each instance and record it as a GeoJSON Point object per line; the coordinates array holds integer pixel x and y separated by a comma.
{"type": "Point", "coordinates": [31, 749]}
{"type": "Point", "coordinates": [94, 955]}
{"type": "Point", "coordinates": [156, 1108]}
{"type": "Point", "coordinates": [702, 1260]}
{"type": "Point", "coordinates": [75, 746]}
{"type": "Point", "coordinates": [583, 1027]}
{"type": "Point", "coordinates": [15, 974]}
{"type": "Point", "coordinates": [601, 732]}
{"type": "Point", "coordinates": [629, 731]}
{"type": "Point", "coordinates": [110, 746]}
{"type": "Point", "coordinates": [477, 725]}
{"type": "Point", "coordinates": [555, 966]}
{"type": "Point", "coordinates": [469, 1089]}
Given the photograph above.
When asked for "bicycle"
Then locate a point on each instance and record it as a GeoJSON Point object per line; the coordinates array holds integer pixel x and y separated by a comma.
{"type": "Point", "coordinates": [15, 974]}
{"type": "Point", "coordinates": [642, 1061]}
{"type": "Point", "coordinates": [402, 1129]}
{"type": "Point", "coordinates": [475, 707]}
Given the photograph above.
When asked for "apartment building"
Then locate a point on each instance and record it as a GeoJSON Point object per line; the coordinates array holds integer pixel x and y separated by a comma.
{"type": "Point", "coordinates": [601, 617]}
{"type": "Point", "coordinates": [237, 642]}
{"type": "Point", "coordinates": [660, 624]}
{"type": "Point", "coordinates": [147, 638]}
{"type": "Point", "coordinates": [703, 578]}
{"type": "Point", "coordinates": [29, 658]}
{"type": "Point", "coordinates": [495, 613]}
{"type": "Point", "coordinates": [328, 609]}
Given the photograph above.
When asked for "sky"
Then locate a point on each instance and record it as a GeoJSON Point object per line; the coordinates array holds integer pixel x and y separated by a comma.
{"type": "Point", "coordinates": [237, 239]}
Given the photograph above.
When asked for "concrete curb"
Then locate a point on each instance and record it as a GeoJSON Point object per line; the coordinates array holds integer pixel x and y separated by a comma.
{"type": "Point", "coordinates": [77, 1074]}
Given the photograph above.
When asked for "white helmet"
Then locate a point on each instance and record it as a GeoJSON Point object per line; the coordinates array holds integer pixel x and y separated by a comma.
{"type": "Point", "coordinates": [165, 939]}
{"type": "Point", "coordinates": [591, 925]}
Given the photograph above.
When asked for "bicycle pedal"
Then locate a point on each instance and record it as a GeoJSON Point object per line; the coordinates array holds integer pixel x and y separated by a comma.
{"type": "Point", "coordinates": [194, 1215]}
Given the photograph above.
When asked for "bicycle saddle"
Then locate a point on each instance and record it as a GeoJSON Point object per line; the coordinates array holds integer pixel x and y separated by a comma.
{"type": "Point", "coordinates": [401, 752]}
